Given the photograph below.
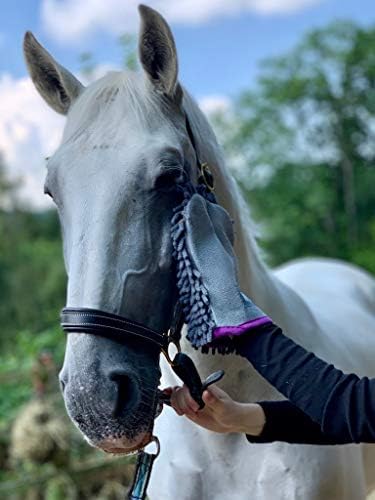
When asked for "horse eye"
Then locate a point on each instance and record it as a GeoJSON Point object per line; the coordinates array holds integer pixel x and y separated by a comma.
{"type": "Point", "coordinates": [168, 177]}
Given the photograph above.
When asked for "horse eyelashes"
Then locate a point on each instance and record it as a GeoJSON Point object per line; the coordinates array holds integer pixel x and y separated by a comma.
{"type": "Point", "coordinates": [168, 177]}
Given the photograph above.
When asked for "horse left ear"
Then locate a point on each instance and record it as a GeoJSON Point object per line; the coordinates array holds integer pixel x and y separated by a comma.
{"type": "Point", "coordinates": [157, 52]}
{"type": "Point", "coordinates": [58, 87]}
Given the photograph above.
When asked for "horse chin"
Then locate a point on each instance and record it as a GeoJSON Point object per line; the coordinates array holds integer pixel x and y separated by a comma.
{"type": "Point", "coordinates": [123, 446]}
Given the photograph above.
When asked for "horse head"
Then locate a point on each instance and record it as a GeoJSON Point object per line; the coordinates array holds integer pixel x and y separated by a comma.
{"type": "Point", "coordinates": [114, 178]}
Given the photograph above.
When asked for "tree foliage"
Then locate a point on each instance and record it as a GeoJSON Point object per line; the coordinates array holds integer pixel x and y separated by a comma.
{"type": "Point", "coordinates": [32, 276]}
{"type": "Point", "coordinates": [306, 134]}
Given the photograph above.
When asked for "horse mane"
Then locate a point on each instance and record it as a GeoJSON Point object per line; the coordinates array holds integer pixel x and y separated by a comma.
{"type": "Point", "coordinates": [228, 192]}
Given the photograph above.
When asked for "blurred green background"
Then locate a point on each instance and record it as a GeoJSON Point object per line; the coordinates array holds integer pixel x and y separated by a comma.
{"type": "Point", "coordinates": [301, 145]}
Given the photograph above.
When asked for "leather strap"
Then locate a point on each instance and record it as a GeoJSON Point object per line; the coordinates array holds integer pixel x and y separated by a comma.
{"type": "Point", "coordinates": [96, 322]}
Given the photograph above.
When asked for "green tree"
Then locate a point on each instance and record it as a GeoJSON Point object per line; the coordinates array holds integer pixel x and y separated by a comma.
{"type": "Point", "coordinates": [128, 44]}
{"type": "Point", "coordinates": [306, 134]}
{"type": "Point", "coordinates": [32, 276]}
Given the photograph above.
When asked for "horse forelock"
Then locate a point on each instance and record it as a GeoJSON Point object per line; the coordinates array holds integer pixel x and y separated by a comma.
{"type": "Point", "coordinates": [114, 102]}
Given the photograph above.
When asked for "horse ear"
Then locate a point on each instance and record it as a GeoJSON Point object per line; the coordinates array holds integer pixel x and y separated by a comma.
{"type": "Point", "coordinates": [58, 87]}
{"type": "Point", "coordinates": [157, 52]}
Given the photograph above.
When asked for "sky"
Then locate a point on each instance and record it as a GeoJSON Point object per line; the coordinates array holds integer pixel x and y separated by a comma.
{"type": "Point", "coordinates": [220, 43]}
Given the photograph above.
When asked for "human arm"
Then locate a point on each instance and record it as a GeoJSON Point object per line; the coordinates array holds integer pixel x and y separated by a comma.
{"type": "Point", "coordinates": [263, 422]}
{"type": "Point", "coordinates": [285, 422]}
{"type": "Point", "coordinates": [343, 406]}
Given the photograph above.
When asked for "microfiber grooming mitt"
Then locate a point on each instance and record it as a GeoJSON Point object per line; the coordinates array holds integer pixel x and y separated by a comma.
{"type": "Point", "coordinates": [193, 295]}
{"type": "Point", "coordinates": [214, 307]}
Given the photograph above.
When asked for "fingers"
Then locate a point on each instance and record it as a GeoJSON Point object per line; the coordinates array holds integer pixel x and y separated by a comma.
{"type": "Point", "coordinates": [182, 401]}
{"type": "Point", "coordinates": [215, 398]}
{"type": "Point", "coordinates": [210, 400]}
{"type": "Point", "coordinates": [222, 223]}
{"type": "Point", "coordinates": [198, 221]}
{"type": "Point", "coordinates": [211, 217]}
{"type": "Point", "coordinates": [175, 401]}
{"type": "Point", "coordinates": [168, 390]}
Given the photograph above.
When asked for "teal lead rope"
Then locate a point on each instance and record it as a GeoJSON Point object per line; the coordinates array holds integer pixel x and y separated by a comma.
{"type": "Point", "coordinates": [144, 465]}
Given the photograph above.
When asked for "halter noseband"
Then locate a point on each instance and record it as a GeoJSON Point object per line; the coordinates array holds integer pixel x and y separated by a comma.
{"type": "Point", "coordinates": [105, 324]}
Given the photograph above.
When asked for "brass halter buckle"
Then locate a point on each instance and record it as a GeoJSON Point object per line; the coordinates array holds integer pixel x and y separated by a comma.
{"type": "Point", "coordinates": [206, 177]}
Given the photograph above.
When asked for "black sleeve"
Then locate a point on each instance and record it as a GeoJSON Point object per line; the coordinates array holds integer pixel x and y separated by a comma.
{"type": "Point", "coordinates": [343, 406]}
{"type": "Point", "coordinates": [285, 422]}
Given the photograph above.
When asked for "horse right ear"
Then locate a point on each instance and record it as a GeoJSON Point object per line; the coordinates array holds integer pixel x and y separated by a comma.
{"type": "Point", "coordinates": [157, 52]}
{"type": "Point", "coordinates": [58, 87]}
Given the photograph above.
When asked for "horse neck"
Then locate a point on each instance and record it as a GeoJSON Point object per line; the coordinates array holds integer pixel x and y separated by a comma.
{"type": "Point", "coordinates": [283, 305]}
{"type": "Point", "coordinates": [275, 298]}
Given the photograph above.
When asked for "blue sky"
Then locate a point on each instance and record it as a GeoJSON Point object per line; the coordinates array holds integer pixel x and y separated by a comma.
{"type": "Point", "coordinates": [220, 46]}
{"type": "Point", "coordinates": [219, 56]}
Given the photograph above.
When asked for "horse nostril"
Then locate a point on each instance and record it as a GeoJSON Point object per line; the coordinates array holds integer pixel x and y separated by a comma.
{"type": "Point", "coordinates": [127, 394]}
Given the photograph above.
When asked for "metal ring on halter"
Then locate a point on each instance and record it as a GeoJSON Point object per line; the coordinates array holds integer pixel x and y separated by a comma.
{"type": "Point", "coordinates": [206, 176]}
{"type": "Point", "coordinates": [155, 440]}
{"type": "Point", "coordinates": [176, 343]}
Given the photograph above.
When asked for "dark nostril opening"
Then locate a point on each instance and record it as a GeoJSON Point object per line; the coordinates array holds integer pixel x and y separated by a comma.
{"type": "Point", "coordinates": [127, 394]}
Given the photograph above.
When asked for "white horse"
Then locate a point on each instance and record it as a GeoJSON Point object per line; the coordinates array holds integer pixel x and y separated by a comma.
{"type": "Point", "coordinates": [325, 305]}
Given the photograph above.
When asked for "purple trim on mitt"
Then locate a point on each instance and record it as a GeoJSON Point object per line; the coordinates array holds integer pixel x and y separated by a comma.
{"type": "Point", "coordinates": [223, 331]}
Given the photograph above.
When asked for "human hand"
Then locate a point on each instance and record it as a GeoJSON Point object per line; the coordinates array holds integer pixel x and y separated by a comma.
{"type": "Point", "coordinates": [221, 413]}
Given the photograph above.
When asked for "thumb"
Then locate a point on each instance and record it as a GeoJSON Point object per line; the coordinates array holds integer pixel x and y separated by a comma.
{"type": "Point", "coordinates": [198, 222]}
{"type": "Point", "coordinates": [223, 224]}
{"type": "Point", "coordinates": [211, 398]}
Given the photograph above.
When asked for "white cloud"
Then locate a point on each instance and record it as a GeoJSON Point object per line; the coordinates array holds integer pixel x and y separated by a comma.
{"type": "Point", "coordinates": [281, 6]}
{"type": "Point", "coordinates": [68, 20]}
{"type": "Point", "coordinates": [212, 104]}
{"type": "Point", "coordinates": [29, 131]}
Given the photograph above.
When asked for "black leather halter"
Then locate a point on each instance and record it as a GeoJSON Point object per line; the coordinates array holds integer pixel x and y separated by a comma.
{"type": "Point", "coordinates": [105, 324]}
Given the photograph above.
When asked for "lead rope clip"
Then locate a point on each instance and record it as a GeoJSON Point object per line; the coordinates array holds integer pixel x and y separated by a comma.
{"type": "Point", "coordinates": [143, 469]}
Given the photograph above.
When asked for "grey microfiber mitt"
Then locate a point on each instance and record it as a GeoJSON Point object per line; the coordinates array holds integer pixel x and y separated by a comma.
{"type": "Point", "coordinates": [193, 295]}
{"type": "Point", "coordinates": [214, 307]}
